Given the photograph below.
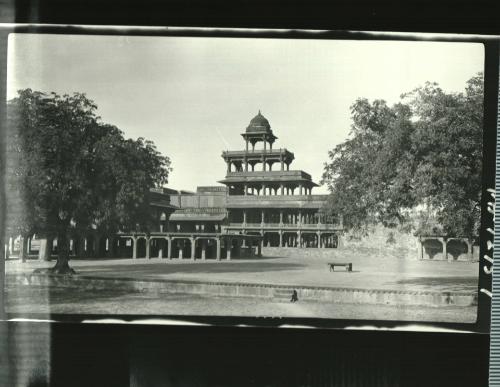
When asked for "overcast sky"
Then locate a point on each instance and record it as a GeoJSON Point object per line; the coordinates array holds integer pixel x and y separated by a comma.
{"type": "Point", "coordinates": [194, 96]}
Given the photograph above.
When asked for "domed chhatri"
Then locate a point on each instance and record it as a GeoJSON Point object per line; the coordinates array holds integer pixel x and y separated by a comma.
{"type": "Point", "coordinates": [259, 124]}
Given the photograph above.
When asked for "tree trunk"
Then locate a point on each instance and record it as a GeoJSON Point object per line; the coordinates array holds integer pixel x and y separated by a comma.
{"type": "Point", "coordinates": [23, 246]}
{"type": "Point", "coordinates": [62, 264]}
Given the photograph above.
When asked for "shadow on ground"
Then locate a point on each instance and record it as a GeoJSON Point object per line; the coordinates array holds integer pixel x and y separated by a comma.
{"type": "Point", "coordinates": [166, 268]}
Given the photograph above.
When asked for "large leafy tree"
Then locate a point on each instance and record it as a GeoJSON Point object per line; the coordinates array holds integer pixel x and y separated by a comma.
{"type": "Point", "coordinates": [421, 155]}
{"type": "Point", "coordinates": [72, 172]}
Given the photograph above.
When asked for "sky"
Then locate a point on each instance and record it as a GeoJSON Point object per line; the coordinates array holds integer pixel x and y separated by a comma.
{"type": "Point", "coordinates": [194, 96]}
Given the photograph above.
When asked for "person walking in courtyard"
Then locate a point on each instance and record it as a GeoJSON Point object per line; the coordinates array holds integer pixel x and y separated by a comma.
{"type": "Point", "coordinates": [294, 296]}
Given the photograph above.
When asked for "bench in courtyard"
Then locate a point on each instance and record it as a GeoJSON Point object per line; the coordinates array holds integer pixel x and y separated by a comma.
{"type": "Point", "coordinates": [347, 265]}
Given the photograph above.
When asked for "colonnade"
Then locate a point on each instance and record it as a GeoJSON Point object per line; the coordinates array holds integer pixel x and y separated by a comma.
{"type": "Point", "coordinates": [446, 255]}
{"type": "Point", "coordinates": [300, 239]}
{"type": "Point", "coordinates": [282, 217]}
{"type": "Point", "coordinates": [85, 246]}
{"type": "Point", "coordinates": [197, 247]}
{"type": "Point", "coordinates": [268, 189]}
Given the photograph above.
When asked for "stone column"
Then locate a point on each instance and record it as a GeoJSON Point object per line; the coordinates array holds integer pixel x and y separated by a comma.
{"type": "Point", "coordinates": [300, 189]}
{"type": "Point", "coordinates": [470, 249]}
{"type": "Point", "coordinates": [193, 248]}
{"type": "Point", "coordinates": [246, 144]}
{"type": "Point", "coordinates": [28, 248]}
{"type": "Point", "coordinates": [218, 249]}
{"type": "Point", "coordinates": [262, 217]}
{"type": "Point", "coordinates": [228, 167]}
{"type": "Point", "coordinates": [109, 253]}
{"type": "Point", "coordinates": [282, 163]}
{"type": "Point", "coordinates": [318, 235]}
{"type": "Point", "coordinates": [263, 163]}
{"type": "Point", "coordinates": [420, 248]}
{"type": "Point", "coordinates": [259, 248]}
{"type": "Point", "coordinates": [11, 245]}
{"type": "Point", "coordinates": [244, 217]}
{"type": "Point", "coordinates": [282, 189]}
{"type": "Point", "coordinates": [169, 248]}
{"type": "Point", "coordinates": [265, 142]}
{"type": "Point", "coordinates": [245, 189]}
{"type": "Point", "coordinates": [445, 252]}
{"type": "Point", "coordinates": [228, 249]}
{"type": "Point", "coordinates": [299, 239]}
{"type": "Point", "coordinates": [281, 216]}
{"type": "Point", "coordinates": [281, 238]}
{"type": "Point", "coordinates": [45, 249]}
{"type": "Point", "coordinates": [148, 245]}
{"type": "Point", "coordinates": [134, 247]}
{"type": "Point", "coordinates": [246, 163]}
{"type": "Point", "coordinates": [180, 244]}
{"type": "Point", "coordinates": [340, 241]}
{"type": "Point", "coordinates": [203, 249]}
{"type": "Point", "coordinates": [160, 247]}
{"type": "Point", "coordinates": [81, 248]}
{"type": "Point", "coordinates": [263, 189]}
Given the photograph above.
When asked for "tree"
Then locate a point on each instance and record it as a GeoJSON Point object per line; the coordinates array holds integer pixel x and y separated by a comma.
{"type": "Point", "coordinates": [73, 172]}
{"type": "Point", "coordinates": [421, 153]}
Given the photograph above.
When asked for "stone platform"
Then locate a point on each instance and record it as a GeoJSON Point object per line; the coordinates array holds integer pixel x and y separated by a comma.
{"type": "Point", "coordinates": [254, 290]}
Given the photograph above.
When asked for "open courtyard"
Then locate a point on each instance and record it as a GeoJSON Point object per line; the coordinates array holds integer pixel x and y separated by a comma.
{"type": "Point", "coordinates": [306, 267]}
{"type": "Point", "coordinates": [294, 268]}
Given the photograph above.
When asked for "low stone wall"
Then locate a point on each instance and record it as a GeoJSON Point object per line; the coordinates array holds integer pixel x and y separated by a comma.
{"type": "Point", "coordinates": [264, 291]}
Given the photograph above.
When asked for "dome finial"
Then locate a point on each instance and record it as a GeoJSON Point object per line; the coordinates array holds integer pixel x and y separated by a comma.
{"type": "Point", "coordinates": [259, 112]}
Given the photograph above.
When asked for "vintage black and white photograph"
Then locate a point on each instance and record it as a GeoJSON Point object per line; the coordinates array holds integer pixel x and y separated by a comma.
{"type": "Point", "coordinates": [237, 176]}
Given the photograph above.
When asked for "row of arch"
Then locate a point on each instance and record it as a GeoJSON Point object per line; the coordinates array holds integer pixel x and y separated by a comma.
{"type": "Point", "coordinates": [201, 247]}
{"type": "Point", "coordinates": [303, 239]}
{"type": "Point", "coordinates": [87, 246]}
{"type": "Point", "coordinates": [249, 165]}
{"type": "Point", "coordinates": [271, 189]}
{"type": "Point", "coordinates": [441, 248]}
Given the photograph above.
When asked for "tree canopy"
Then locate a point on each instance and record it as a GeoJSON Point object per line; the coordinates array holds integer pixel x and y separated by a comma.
{"type": "Point", "coordinates": [70, 171]}
{"type": "Point", "coordinates": [420, 158]}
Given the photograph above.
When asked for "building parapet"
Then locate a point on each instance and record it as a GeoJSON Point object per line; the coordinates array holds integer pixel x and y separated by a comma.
{"type": "Point", "coordinates": [211, 189]}
{"type": "Point", "coordinates": [287, 226]}
{"type": "Point", "coordinates": [257, 152]}
{"type": "Point", "coordinates": [201, 210]}
{"type": "Point", "coordinates": [270, 174]}
{"type": "Point", "coordinates": [276, 201]}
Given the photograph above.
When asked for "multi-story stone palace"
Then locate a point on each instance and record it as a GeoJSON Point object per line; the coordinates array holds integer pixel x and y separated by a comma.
{"type": "Point", "coordinates": [257, 200]}
{"type": "Point", "coordinates": [255, 206]}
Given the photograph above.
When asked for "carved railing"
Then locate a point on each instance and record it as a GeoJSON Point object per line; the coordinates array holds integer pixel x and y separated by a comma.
{"type": "Point", "coordinates": [301, 226]}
